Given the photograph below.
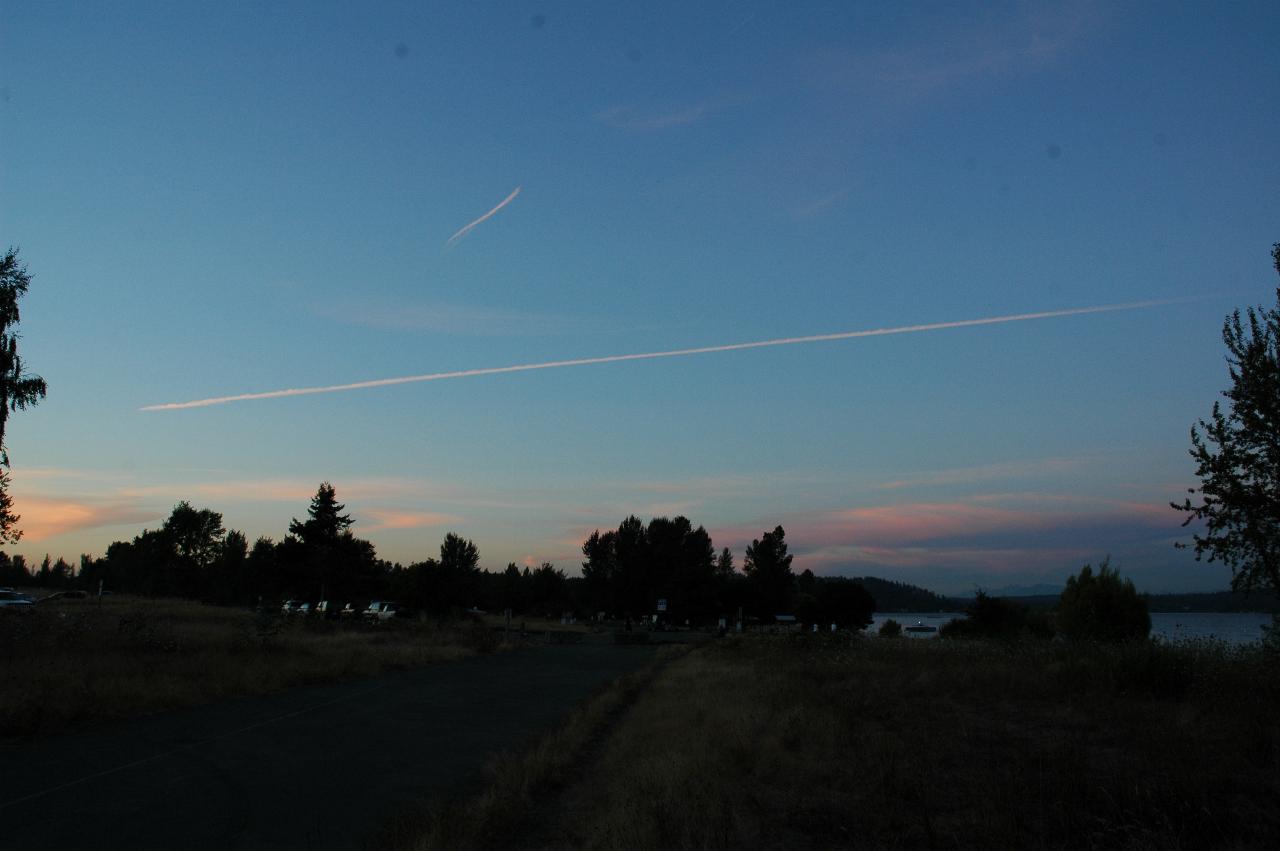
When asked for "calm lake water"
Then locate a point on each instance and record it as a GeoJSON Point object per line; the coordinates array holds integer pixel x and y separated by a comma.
{"type": "Point", "coordinates": [1233, 627]}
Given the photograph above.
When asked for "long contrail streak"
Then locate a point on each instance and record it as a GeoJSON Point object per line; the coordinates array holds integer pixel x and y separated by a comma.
{"type": "Point", "coordinates": [466, 229]}
{"type": "Point", "coordinates": [674, 353]}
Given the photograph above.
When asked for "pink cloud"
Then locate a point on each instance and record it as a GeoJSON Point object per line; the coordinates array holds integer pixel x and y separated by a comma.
{"type": "Point", "coordinates": [43, 517]}
{"type": "Point", "coordinates": [965, 475]}
{"type": "Point", "coordinates": [391, 519]}
{"type": "Point", "coordinates": [998, 533]}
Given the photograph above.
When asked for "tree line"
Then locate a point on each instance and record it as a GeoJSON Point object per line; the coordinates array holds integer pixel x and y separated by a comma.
{"type": "Point", "coordinates": [665, 568]}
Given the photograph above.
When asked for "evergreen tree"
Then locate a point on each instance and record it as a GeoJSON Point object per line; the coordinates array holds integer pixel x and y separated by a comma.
{"type": "Point", "coordinates": [768, 567]}
{"type": "Point", "coordinates": [325, 521]}
{"type": "Point", "coordinates": [17, 388]}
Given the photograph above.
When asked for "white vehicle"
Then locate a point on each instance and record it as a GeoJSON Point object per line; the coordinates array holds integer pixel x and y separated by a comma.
{"type": "Point", "coordinates": [381, 610]}
{"type": "Point", "coordinates": [295, 607]}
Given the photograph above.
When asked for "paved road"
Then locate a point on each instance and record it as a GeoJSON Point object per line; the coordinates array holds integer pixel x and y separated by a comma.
{"type": "Point", "coordinates": [319, 767]}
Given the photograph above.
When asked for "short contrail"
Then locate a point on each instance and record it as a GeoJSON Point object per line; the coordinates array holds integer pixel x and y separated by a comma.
{"type": "Point", "coordinates": [703, 350]}
{"type": "Point", "coordinates": [453, 240]}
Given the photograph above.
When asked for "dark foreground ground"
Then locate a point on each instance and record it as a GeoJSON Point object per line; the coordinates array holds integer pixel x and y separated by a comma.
{"type": "Point", "coordinates": [320, 767]}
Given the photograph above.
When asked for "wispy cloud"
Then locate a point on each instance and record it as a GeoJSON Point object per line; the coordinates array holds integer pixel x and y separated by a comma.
{"type": "Point", "coordinates": [702, 350]}
{"type": "Point", "coordinates": [986, 472]}
{"type": "Point", "coordinates": [627, 118]}
{"type": "Point", "coordinates": [395, 519]}
{"type": "Point", "coordinates": [470, 226]}
{"type": "Point", "coordinates": [1031, 36]}
{"type": "Point", "coordinates": [821, 205]}
{"type": "Point", "coordinates": [44, 517]}
{"type": "Point", "coordinates": [987, 532]}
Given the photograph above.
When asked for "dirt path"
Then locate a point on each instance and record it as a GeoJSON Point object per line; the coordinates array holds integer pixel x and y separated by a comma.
{"type": "Point", "coordinates": [321, 767]}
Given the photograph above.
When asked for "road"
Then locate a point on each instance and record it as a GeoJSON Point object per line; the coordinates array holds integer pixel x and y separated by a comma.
{"type": "Point", "coordinates": [317, 768]}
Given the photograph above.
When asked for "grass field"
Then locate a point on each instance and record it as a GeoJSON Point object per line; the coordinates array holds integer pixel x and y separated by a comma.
{"type": "Point", "coordinates": [70, 662]}
{"type": "Point", "coordinates": [838, 741]}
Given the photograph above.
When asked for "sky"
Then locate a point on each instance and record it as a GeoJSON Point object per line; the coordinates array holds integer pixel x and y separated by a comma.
{"type": "Point", "coordinates": [227, 200]}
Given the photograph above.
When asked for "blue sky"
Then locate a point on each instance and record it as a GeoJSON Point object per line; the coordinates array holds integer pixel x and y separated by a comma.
{"type": "Point", "coordinates": [220, 199]}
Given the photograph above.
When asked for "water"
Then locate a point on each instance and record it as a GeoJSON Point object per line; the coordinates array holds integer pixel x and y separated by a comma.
{"type": "Point", "coordinates": [1230, 627]}
{"type": "Point", "coordinates": [907, 619]}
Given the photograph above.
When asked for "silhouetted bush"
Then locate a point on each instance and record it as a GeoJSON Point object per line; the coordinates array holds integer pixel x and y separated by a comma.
{"type": "Point", "coordinates": [998, 617]}
{"type": "Point", "coordinates": [890, 629]}
{"type": "Point", "coordinates": [1101, 607]}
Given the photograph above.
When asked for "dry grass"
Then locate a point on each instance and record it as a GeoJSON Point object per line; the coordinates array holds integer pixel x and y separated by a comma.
{"type": "Point", "coordinates": [76, 661]}
{"type": "Point", "coordinates": [829, 742]}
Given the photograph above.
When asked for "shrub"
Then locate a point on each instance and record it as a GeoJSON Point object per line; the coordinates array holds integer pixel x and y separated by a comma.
{"type": "Point", "coordinates": [1101, 607]}
{"type": "Point", "coordinates": [997, 617]}
{"type": "Point", "coordinates": [890, 629]}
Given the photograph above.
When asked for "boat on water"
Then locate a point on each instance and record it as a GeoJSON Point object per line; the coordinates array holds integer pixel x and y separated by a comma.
{"type": "Point", "coordinates": [921, 627]}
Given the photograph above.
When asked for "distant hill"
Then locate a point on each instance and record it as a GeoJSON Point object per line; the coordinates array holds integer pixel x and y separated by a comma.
{"type": "Point", "coordinates": [900, 597]}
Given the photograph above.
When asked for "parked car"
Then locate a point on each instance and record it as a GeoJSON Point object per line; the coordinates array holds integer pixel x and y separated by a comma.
{"type": "Point", "coordinates": [381, 610]}
{"type": "Point", "coordinates": [10, 599]}
{"type": "Point", "coordinates": [295, 607]}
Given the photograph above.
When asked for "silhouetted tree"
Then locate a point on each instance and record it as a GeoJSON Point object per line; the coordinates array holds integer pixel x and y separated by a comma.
{"type": "Point", "coordinates": [17, 388]}
{"type": "Point", "coordinates": [631, 545]}
{"type": "Point", "coordinates": [195, 540]}
{"type": "Point", "coordinates": [1101, 607]}
{"type": "Point", "coordinates": [228, 582]}
{"type": "Point", "coordinates": [458, 554]}
{"type": "Point", "coordinates": [997, 617]}
{"type": "Point", "coordinates": [320, 557]}
{"type": "Point", "coordinates": [325, 520]}
{"type": "Point", "coordinates": [9, 531]}
{"type": "Point", "coordinates": [263, 571]}
{"type": "Point", "coordinates": [1238, 456]}
{"type": "Point", "coordinates": [196, 534]}
{"type": "Point", "coordinates": [724, 564]}
{"type": "Point", "coordinates": [548, 590]}
{"type": "Point", "coordinates": [13, 571]}
{"type": "Point", "coordinates": [600, 571]}
{"type": "Point", "coordinates": [512, 593]}
{"type": "Point", "coordinates": [768, 567]}
{"type": "Point", "coordinates": [845, 603]}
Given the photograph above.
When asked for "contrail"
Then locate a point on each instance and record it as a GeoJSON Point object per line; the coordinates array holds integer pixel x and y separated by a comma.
{"type": "Point", "coordinates": [453, 240]}
{"type": "Point", "coordinates": [702, 350]}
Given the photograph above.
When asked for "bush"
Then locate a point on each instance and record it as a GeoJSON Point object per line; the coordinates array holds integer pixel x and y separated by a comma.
{"type": "Point", "coordinates": [1101, 607]}
{"type": "Point", "coordinates": [997, 617]}
{"type": "Point", "coordinates": [890, 629]}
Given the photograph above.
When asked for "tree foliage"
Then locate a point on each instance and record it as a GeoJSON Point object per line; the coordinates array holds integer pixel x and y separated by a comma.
{"type": "Point", "coordinates": [1237, 455]}
{"type": "Point", "coordinates": [325, 521]}
{"type": "Point", "coordinates": [459, 555]}
{"type": "Point", "coordinates": [17, 389]}
{"type": "Point", "coordinates": [1102, 607]}
{"type": "Point", "coordinates": [627, 570]}
{"type": "Point", "coordinates": [890, 629]}
{"type": "Point", "coordinates": [768, 569]}
{"type": "Point", "coordinates": [999, 618]}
